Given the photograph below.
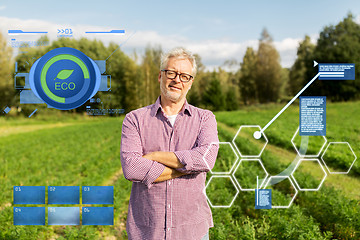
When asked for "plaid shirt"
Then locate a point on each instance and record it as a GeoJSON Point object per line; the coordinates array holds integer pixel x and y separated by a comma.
{"type": "Point", "coordinates": [177, 208]}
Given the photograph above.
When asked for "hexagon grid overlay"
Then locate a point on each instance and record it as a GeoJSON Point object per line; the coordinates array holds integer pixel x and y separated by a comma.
{"type": "Point", "coordinates": [226, 158]}
{"type": "Point", "coordinates": [222, 200]}
{"type": "Point", "coordinates": [242, 148]}
{"type": "Point", "coordinates": [247, 175]}
{"type": "Point", "coordinates": [311, 138]}
{"type": "Point", "coordinates": [292, 184]}
{"type": "Point", "coordinates": [299, 182]}
{"type": "Point", "coordinates": [332, 145]}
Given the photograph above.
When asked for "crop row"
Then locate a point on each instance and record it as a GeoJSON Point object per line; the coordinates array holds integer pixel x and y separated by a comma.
{"type": "Point", "coordinates": [340, 127]}
{"type": "Point", "coordinates": [81, 154]}
{"type": "Point", "coordinates": [314, 215]}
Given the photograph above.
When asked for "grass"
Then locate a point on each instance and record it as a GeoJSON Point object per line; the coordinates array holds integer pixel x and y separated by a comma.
{"type": "Point", "coordinates": [341, 126]}
{"type": "Point", "coordinates": [77, 150]}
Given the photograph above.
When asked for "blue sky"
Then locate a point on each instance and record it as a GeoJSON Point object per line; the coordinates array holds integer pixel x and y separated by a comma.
{"type": "Point", "coordinates": [217, 30]}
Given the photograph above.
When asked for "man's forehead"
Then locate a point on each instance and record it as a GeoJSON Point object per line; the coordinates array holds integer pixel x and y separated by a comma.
{"type": "Point", "coordinates": [179, 62]}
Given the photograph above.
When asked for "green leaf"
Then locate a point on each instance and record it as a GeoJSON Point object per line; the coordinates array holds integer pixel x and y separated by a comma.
{"type": "Point", "coordinates": [64, 74]}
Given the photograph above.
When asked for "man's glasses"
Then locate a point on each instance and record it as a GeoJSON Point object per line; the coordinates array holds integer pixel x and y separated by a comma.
{"type": "Point", "coordinates": [184, 77]}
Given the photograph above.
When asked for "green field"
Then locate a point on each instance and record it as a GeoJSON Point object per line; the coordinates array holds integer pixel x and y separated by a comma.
{"type": "Point", "coordinates": [85, 151]}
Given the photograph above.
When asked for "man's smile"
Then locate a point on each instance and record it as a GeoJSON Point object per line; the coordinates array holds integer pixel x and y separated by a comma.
{"type": "Point", "coordinates": [174, 88]}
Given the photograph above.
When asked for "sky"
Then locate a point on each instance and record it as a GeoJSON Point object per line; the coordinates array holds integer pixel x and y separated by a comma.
{"type": "Point", "coordinates": [216, 30]}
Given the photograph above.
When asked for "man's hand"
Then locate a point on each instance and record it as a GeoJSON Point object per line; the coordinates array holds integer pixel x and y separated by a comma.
{"type": "Point", "coordinates": [167, 158]}
{"type": "Point", "coordinates": [168, 174]}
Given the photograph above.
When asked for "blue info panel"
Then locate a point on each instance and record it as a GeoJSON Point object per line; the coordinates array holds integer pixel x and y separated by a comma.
{"type": "Point", "coordinates": [312, 113]}
{"type": "Point", "coordinates": [337, 71]}
{"type": "Point", "coordinates": [63, 195]}
{"type": "Point", "coordinates": [263, 199]}
{"type": "Point", "coordinates": [63, 216]}
{"type": "Point", "coordinates": [29, 194]}
{"type": "Point", "coordinates": [98, 194]}
{"type": "Point", "coordinates": [29, 215]}
{"type": "Point", "coordinates": [97, 216]}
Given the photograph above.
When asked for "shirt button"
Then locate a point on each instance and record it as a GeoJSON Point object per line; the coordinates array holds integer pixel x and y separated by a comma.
{"type": "Point", "coordinates": [168, 229]}
{"type": "Point", "coordinates": [169, 206]}
{"type": "Point", "coordinates": [169, 183]}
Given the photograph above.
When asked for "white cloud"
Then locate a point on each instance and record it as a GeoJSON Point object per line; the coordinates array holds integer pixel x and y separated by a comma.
{"type": "Point", "coordinates": [2, 7]}
{"type": "Point", "coordinates": [357, 19]}
{"type": "Point", "coordinates": [287, 49]}
{"type": "Point", "coordinates": [214, 52]}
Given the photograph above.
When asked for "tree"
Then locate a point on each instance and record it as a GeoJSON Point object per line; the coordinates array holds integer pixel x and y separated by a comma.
{"type": "Point", "coordinates": [150, 66]}
{"type": "Point", "coordinates": [268, 68]}
{"type": "Point", "coordinates": [213, 96]}
{"type": "Point", "coordinates": [231, 100]}
{"type": "Point", "coordinates": [304, 60]}
{"type": "Point", "coordinates": [6, 69]}
{"type": "Point", "coordinates": [338, 44]}
{"type": "Point", "coordinates": [197, 88]}
{"type": "Point", "coordinates": [127, 80]}
{"type": "Point", "coordinates": [247, 84]}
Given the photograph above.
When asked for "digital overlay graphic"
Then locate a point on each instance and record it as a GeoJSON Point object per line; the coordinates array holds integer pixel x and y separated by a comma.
{"type": "Point", "coordinates": [64, 78]}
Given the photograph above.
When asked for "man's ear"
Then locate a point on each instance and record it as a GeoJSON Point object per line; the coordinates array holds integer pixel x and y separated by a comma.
{"type": "Point", "coordinates": [159, 77]}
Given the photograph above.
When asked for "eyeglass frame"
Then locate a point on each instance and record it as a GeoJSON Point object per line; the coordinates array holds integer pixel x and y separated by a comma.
{"type": "Point", "coordinates": [177, 74]}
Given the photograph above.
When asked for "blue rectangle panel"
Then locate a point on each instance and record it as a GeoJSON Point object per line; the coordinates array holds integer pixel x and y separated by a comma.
{"type": "Point", "coordinates": [29, 194]}
{"type": "Point", "coordinates": [7, 110]}
{"type": "Point", "coordinates": [29, 215]}
{"type": "Point", "coordinates": [98, 194]}
{"type": "Point", "coordinates": [63, 216]}
{"type": "Point", "coordinates": [63, 195]}
{"type": "Point", "coordinates": [337, 71]}
{"type": "Point", "coordinates": [312, 116]}
{"type": "Point", "coordinates": [97, 216]}
{"type": "Point", "coordinates": [263, 199]}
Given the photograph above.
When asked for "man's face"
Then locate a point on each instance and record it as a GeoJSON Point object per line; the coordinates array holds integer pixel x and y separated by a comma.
{"type": "Point", "coordinates": [173, 89]}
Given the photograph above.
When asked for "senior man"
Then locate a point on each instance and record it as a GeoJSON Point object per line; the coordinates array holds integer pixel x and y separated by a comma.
{"type": "Point", "coordinates": [162, 152]}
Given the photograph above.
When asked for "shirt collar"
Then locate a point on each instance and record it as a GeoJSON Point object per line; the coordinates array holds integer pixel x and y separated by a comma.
{"type": "Point", "coordinates": [157, 108]}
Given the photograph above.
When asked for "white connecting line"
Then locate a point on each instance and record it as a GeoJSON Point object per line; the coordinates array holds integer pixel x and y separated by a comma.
{"type": "Point", "coordinates": [287, 105]}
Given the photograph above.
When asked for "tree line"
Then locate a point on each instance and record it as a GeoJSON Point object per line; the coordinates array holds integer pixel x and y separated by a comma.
{"type": "Point", "coordinates": [259, 77]}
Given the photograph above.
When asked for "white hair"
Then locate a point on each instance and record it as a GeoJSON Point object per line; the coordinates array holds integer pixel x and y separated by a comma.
{"type": "Point", "coordinates": [179, 53]}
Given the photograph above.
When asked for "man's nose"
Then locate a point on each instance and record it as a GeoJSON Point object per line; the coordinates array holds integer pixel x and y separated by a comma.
{"type": "Point", "coordinates": [177, 78]}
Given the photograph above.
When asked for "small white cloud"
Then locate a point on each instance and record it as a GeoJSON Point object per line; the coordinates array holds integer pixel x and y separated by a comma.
{"type": "Point", "coordinates": [357, 19]}
{"type": "Point", "coordinates": [2, 7]}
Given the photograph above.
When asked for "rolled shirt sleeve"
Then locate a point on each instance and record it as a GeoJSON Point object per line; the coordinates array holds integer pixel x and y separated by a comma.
{"type": "Point", "coordinates": [156, 210]}
{"type": "Point", "coordinates": [135, 167]}
{"type": "Point", "coordinates": [202, 157]}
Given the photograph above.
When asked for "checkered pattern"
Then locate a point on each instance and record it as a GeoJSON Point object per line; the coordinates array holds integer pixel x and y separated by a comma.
{"type": "Point", "coordinates": [174, 209]}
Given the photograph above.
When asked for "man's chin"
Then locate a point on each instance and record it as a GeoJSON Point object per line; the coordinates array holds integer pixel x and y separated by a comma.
{"type": "Point", "coordinates": [173, 97]}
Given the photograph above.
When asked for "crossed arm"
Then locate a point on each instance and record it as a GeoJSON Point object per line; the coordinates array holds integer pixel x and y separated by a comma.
{"type": "Point", "coordinates": [161, 166]}
{"type": "Point", "coordinates": [170, 161]}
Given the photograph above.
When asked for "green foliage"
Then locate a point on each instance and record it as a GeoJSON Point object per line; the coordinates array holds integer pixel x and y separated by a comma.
{"type": "Point", "coordinates": [213, 96]}
{"type": "Point", "coordinates": [337, 44]}
{"type": "Point", "coordinates": [74, 152]}
{"type": "Point", "coordinates": [324, 214]}
{"type": "Point", "coordinates": [340, 127]}
{"type": "Point", "coordinates": [247, 82]}
{"type": "Point", "coordinates": [259, 79]}
{"type": "Point", "coordinates": [231, 100]}
{"type": "Point", "coordinates": [6, 69]}
{"type": "Point", "coordinates": [268, 70]}
{"type": "Point", "coordinates": [151, 68]}
{"type": "Point", "coordinates": [303, 62]}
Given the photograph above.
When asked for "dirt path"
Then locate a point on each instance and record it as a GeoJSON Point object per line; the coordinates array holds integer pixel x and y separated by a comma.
{"type": "Point", "coordinates": [6, 131]}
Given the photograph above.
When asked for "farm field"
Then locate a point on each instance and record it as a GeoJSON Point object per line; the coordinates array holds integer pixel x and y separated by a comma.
{"type": "Point", "coordinates": [85, 151]}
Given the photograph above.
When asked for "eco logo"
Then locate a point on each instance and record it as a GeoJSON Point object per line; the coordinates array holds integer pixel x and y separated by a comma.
{"type": "Point", "coordinates": [64, 78]}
